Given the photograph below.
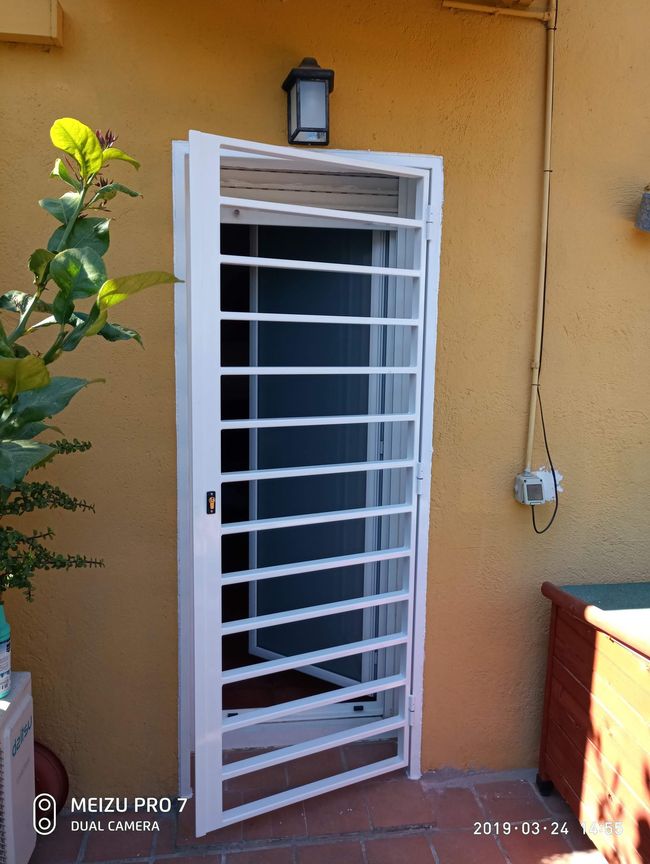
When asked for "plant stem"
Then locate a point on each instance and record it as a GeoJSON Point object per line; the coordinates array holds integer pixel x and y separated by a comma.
{"type": "Point", "coordinates": [75, 215]}
{"type": "Point", "coordinates": [53, 351]}
{"type": "Point", "coordinates": [22, 324]}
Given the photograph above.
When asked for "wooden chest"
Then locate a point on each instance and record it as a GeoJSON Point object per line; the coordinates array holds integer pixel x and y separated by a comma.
{"type": "Point", "coordinates": [595, 746]}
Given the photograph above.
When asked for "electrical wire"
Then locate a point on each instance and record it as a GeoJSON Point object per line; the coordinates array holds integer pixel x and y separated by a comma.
{"type": "Point", "coordinates": [550, 460]}
{"type": "Point", "coordinates": [541, 351]}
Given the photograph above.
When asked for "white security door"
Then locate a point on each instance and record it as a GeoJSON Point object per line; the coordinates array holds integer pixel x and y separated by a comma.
{"type": "Point", "coordinates": [305, 382]}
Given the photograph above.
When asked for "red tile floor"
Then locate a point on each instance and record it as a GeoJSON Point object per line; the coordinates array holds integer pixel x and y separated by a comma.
{"type": "Point", "coordinates": [390, 820]}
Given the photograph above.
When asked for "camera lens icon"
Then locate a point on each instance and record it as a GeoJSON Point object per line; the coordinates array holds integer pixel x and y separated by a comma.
{"type": "Point", "coordinates": [44, 814]}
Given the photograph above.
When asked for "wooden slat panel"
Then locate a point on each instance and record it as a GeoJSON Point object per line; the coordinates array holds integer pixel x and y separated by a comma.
{"type": "Point", "coordinates": [602, 800]}
{"type": "Point", "coordinates": [597, 732]}
{"type": "Point", "coordinates": [604, 659]}
{"type": "Point", "coordinates": [596, 749]}
{"type": "Point", "coordinates": [609, 701]}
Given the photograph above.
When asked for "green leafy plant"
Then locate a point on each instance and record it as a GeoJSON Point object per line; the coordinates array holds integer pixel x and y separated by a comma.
{"type": "Point", "coordinates": [71, 298]}
{"type": "Point", "coordinates": [22, 555]}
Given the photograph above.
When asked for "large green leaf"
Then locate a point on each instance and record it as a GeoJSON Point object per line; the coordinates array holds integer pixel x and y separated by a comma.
{"type": "Point", "coordinates": [88, 232]}
{"type": "Point", "coordinates": [20, 374]}
{"type": "Point", "coordinates": [80, 142]}
{"type": "Point", "coordinates": [18, 457]}
{"type": "Point", "coordinates": [44, 322]}
{"type": "Point", "coordinates": [115, 153]}
{"type": "Point", "coordinates": [78, 272]}
{"type": "Point", "coordinates": [62, 208]}
{"type": "Point", "coordinates": [48, 401]}
{"type": "Point", "coordinates": [114, 291]}
{"type": "Point", "coordinates": [111, 332]}
{"type": "Point", "coordinates": [108, 192]}
{"type": "Point", "coordinates": [117, 333]}
{"type": "Point", "coordinates": [16, 301]}
{"type": "Point", "coordinates": [29, 430]}
{"type": "Point", "coordinates": [61, 171]}
{"type": "Point", "coordinates": [63, 307]}
{"type": "Point", "coordinates": [84, 325]}
{"type": "Point", "coordinates": [38, 264]}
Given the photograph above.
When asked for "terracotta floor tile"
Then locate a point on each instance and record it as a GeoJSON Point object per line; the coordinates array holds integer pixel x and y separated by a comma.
{"type": "Point", "coordinates": [398, 803]}
{"type": "Point", "coordinates": [261, 856]}
{"type": "Point", "coordinates": [166, 839]}
{"type": "Point", "coordinates": [62, 847]}
{"type": "Point", "coordinates": [577, 838]}
{"type": "Point", "coordinates": [454, 808]}
{"type": "Point", "coordinates": [193, 859]}
{"type": "Point", "coordinates": [456, 847]}
{"type": "Point", "coordinates": [532, 849]}
{"type": "Point", "coordinates": [261, 783]}
{"type": "Point", "coordinates": [511, 801]}
{"type": "Point", "coordinates": [331, 853]}
{"type": "Point", "coordinates": [340, 812]}
{"type": "Point", "coordinates": [230, 756]}
{"type": "Point", "coordinates": [277, 825]}
{"type": "Point", "coordinates": [107, 845]}
{"type": "Point", "coordinates": [356, 755]}
{"type": "Point", "coordinates": [413, 849]}
{"type": "Point", "coordinates": [556, 805]}
{"type": "Point", "coordinates": [315, 767]}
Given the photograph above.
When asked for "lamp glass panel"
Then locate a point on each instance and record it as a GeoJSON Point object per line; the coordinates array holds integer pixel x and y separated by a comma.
{"type": "Point", "coordinates": [293, 112]}
{"type": "Point", "coordinates": [310, 138]}
{"type": "Point", "coordinates": [313, 104]}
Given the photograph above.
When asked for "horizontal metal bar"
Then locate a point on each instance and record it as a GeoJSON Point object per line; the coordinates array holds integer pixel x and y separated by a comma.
{"type": "Point", "coordinates": [309, 790]}
{"type": "Point", "coordinates": [318, 266]}
{"type": "Point", "coordinates": [314, 518]}
{"type": "Point", "coordinates": [297, 661]}
{"type": "Point", "coordinates": [497, 10]}
{"type": "Point", "coordinates": [314, 566]}
{"type": "Point", "coordinates": [334, 420]}
{"type": "Point", "coordinates": [308, 612]}
{"type": "Point", "coordinates": [308, 748]}
{"type": "Point", "coordinates": [256, 716]}
{"type": "Point", "coordinates": [313, 470]}
{"type": "Point", "coordinates": [285, 318]}
{"type": "Point", "coordinates": [318, 370]}
{"type": "Point", "coordinates": [292, 157]}
{"type": "Point", "coordinates": [321, 212]}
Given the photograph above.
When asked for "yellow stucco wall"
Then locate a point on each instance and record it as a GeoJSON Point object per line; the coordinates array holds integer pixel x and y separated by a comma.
{"type": "Point", "coordinates": [409, 77]}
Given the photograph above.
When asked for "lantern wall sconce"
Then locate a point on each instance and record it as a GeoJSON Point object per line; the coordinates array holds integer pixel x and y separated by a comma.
{"type": "Point", "coordinates": [308, 88]}
{"type": "Point", "coordinates": [643, 216]}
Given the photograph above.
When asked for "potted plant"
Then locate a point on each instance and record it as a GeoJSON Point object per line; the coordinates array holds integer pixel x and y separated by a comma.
{"type": "Point", "coordinates": [68, 273]}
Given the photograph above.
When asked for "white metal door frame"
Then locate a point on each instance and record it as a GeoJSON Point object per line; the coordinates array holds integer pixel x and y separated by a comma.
{"type": "Point", "coordinates": [199, 612]}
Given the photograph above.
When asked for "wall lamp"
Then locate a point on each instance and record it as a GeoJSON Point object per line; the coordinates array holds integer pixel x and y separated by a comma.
{"type": "Point", "coordinates": [308, 88]}
{"type": "Point", "coordinates": [643, 216]}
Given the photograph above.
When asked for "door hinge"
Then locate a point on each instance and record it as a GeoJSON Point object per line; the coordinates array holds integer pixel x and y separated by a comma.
{"type": "Point", "coordinates": [431, 223]}
{"type": "Point", "coordinates": [411, 708]}
{"type": "Point", "coordinates": [419, 478]}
